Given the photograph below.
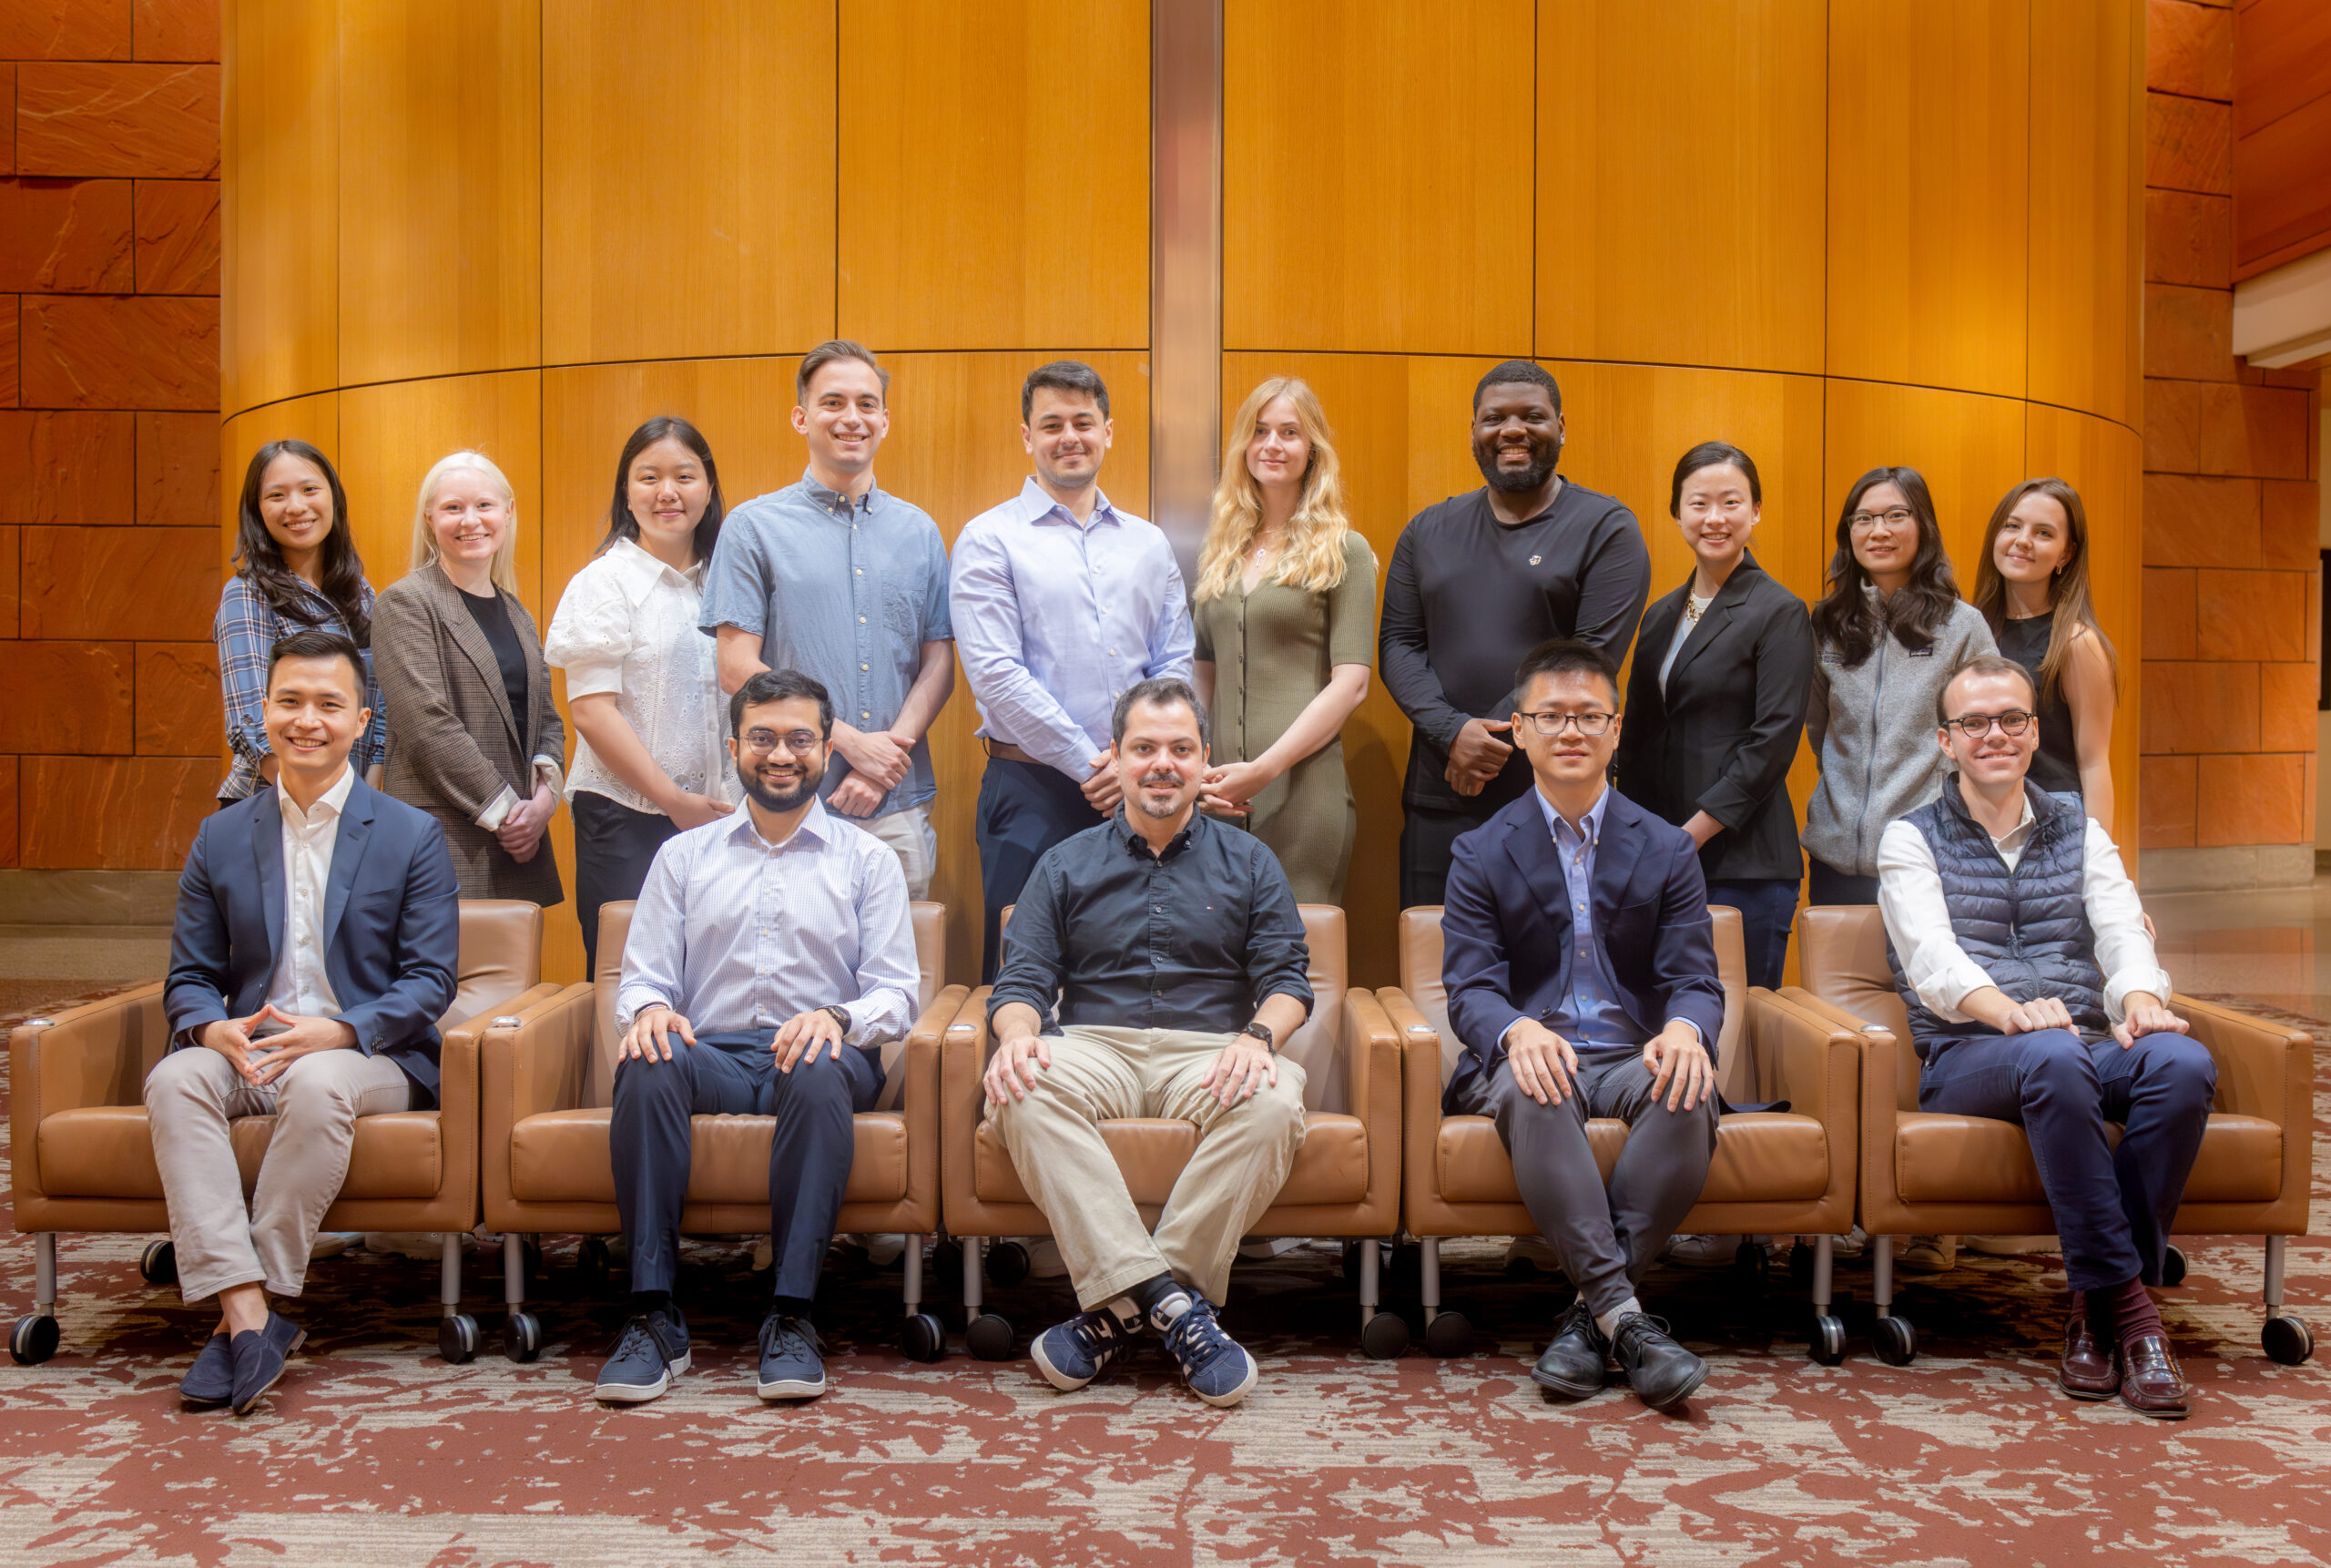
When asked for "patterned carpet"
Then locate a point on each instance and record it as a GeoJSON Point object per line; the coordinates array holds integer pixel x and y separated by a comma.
{"type": "Point", "coordinates": [373, 1451]}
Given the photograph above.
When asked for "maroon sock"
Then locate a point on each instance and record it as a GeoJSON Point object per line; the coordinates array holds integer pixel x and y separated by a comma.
{"type": "Point", "coordinates": [2134, 1313]}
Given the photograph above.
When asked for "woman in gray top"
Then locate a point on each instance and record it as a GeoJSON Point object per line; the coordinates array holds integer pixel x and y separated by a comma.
{"type": "Point", "coordinates": [1890, 629]}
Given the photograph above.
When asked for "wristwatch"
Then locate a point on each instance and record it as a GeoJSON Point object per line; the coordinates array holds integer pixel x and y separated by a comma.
{"type": "Point", "coordinates": [1262, 1031]}
{"type": "Point", "coordinates": [841, 1015]}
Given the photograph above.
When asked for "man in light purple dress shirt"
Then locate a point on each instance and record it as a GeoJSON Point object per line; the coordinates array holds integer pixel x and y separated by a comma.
{"type": "Point", "coordinates": [1061, 602]}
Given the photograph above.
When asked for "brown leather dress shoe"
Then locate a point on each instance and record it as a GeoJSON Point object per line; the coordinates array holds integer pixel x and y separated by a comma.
{"type": "Point", "coordinates": [2089, 1370]}
{"type": "Point", "coordinates": [2151, 1383]}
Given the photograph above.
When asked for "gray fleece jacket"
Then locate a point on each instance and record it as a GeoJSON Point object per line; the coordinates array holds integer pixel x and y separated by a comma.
{"type": "Point", "coordinates": [1872, 726]}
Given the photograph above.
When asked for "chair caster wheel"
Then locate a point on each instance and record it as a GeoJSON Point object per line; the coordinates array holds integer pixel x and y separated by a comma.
{"type": "Point", "coordinates": [1007, 1264]}
{"type": "Point", "coordinates": [2286, 1339]}
{"type": "Point", "coordinates": [159, 1265]}
{"type": "Point", "coordinates": [457, 1338]}
{"type": "Point", "coordinates": [946, 1260]}
{"type": "Point", "coordinates": [924, 1339]}
{"type": "Point", "coordinates": [2172, 1267]}
{"type": "Point", "coordinates": [598, 1263]}
{"type": "Point", "coordinates": [33, 1341]}
{"type": "Point", "coordinates": [1897, 1340]}
{"type": "Point", "coordinates": [1384, 1336]}
{"type": "Point", "coordinates": [521, 1337]}
{"type": "Point", "coordinates": [1800, 1265]}
{"type": "Point", "coordinates": [1450, 1334]}
{"type": "Point", "coordinates": [989, 1337]}
{"type": "Point", "coordinates": [1829, 1339]}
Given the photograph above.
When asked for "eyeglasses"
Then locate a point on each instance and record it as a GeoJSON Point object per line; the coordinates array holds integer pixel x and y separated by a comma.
{"type": "Point", "coordinates": [1975, 726]}
{"type": "Point", "coordinates": [1589, 724]}
{"type": "Point", "coordinates": [800, 742]}
{"type": "Point", "coordinates": [1895, 517]}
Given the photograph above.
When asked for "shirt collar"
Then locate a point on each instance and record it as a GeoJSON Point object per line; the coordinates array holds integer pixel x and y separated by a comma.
{"type": "Point", "coordinates": [332, 803]}
{"type": "Point", "coordinates": [1173, 846]}
{"type": "Point", "coordinates": [1592, 821]}
{"type": "Point", "coordinates": [1035, 506]}
{"type": "Point", "coordinates": [638, 570]}
{"type": "Point", "coordinates": [833, 501]}
{"type": "Point", "coordinates": [816, 824]}
{"type": "Point", "coordinates": [2021, 831]}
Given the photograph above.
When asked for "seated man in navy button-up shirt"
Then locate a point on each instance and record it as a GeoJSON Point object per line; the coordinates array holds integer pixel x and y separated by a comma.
{"type": "Point", "coordinates": [1174, 947]}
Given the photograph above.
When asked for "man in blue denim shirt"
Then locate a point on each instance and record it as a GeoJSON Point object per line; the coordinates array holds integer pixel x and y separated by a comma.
{"type": "Point", "coordinates": [836, 578]}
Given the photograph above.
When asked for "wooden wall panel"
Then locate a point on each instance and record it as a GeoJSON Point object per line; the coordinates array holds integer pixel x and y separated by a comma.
{"type": "Point", "coordinates": [440, 187]}
{"type": "Point", "coordinates": [279, 148]}
{"type": "Point", "coordinates": [1011, 207]}
{"type": "Point", "coordinates": [1376, 192]}
{"type": "Point", "coordinates": [1928, 158]}
{"type": "Point", "coordinates": [688, 175]}
{"type": "Point", "coordinates": [1655, 239]}
{"type": "Point", "coordinates": [1969, 449]}
{"type": "Point", "coordinates": [2087, 239]}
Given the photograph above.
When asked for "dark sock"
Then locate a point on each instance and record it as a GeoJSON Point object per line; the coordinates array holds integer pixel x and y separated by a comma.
{"type": "Point", "coordinates": [1152, 1293]}
{"type": "Point", "coordinates": [643, 1302]}
{"type": "Point", "coordinates": [2134, 1313]}
{"type": "Point", "coordinates": [793, 1307]}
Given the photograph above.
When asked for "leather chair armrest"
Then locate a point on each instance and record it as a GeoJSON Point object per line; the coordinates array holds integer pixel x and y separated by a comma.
{"type": "Point", "coordinates": [96, 1054]}
{"type": "Point", "coordinates": [1883, 1059]}
{"type": "Point", "coordinates": [1813, 1063]}
{"type": "Point", "coordinates": [1419, 1092]}
{"type": "Point", "coordinates": [1372, 1047]}
{"type": "Point", "coordinates": [919, 1097]}
{"type": "Point", "coordinates": [2265, 1070]}
{"type": "Point", "coordinates": [962, 1059]}
{"type": "Point", "coordinates": [537, 1065]}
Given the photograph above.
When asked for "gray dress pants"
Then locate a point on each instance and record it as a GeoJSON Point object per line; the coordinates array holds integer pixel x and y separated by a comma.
{"type": "Point", "coordinates": [1605, 1238]}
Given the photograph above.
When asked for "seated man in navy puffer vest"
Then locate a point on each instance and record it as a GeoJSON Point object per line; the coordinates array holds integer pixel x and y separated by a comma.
{"type": "Point", "coordinates": [2034, 996]}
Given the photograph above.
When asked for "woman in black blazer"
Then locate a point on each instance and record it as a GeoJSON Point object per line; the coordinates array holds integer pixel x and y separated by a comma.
{"type": "Point", "coordinates": [1715, 702]}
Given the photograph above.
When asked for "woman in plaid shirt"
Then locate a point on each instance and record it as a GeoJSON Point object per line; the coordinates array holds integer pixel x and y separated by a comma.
{"type": "Point", "coordinates": [295, 566]}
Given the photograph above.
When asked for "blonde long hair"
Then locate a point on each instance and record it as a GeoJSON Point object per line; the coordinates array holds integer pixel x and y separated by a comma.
{"type": "Point", "coordinates": [1313, 559]}
{"type": "Point", "coordinates": [424, 537]}
{"type": "Point", "coordinates": [2069, 607]}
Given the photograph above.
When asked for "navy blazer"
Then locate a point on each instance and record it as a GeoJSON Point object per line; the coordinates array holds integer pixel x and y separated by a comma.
{"type": "Point", "coordinates": [393, 925]}
{"type": "Point", "coordinates": [1505, 928]}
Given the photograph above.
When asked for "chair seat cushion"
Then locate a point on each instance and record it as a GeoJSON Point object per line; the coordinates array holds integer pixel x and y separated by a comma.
{"type": "Point", "coordinates": [1330, 1168]}
{"type": "Point", "coordinates": [1760, 1157]}
{"type": "Point", "coordinates": [562, 1157]}
{"type": "Point", "coordinates": [106, 1151]}
{"type": "Point", "coordinates": [1942, 1158]}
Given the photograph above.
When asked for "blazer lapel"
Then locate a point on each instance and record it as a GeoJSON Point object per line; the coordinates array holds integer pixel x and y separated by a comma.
{"type": "Point", "coordinates": [471, 642]}
{"type": "Point", "coordinates": [1531, 848]}
{"type": "Point", "coordinates": [1728, 598]}
{"type": "Point", "coordinates": [1615, 854]}
{"type": "Point", "coordinates": [1659, 625]}
{"type": "Point", "coordinates": [347, 855]}
{"type": "Point", "coordinates": [267, 860]}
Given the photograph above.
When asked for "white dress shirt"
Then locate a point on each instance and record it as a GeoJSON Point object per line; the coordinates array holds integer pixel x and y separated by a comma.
{"type": "Point", "coordinates": [735, 933]}
{"type": "Point", "coordinates": [1918, 919]}
{"type": "Point", "coordinates": [1054, 619]}
{"type": "Point", "coordinates": [300, 986]}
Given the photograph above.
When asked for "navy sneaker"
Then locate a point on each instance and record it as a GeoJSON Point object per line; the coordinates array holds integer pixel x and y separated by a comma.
{"type": "Point", "coordinates": [1072, 1354]}
{"type": "Point", "coordinates": [652, 1349]}
{"type": "Point", "coordinates": [1215, 1366]}
{"type": "Point", "coordinates": [211, 1380]}
{"type": "Point", "coordinates": [259, 1357]}
{"type": "Point", "coordinates": [791, 1367]}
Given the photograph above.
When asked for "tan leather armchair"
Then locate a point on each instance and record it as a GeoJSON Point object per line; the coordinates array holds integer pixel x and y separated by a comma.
{"type": "Point", "coordinates": [1926, 1174]}
{"type": "Point", "coordinates": [1774, 1171]}
{"type": "Point", "coordinates": [549, 1093]}
{"type": "Point", "coordinates": [82, 1159]}
{"type": "Point", "coordinates": [1345, 1182]}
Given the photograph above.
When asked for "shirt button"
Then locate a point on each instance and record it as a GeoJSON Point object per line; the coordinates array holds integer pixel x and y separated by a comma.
{"type": "Point", "coordinates": [861, 666]}
{"type": "Point", "coordinates": [861, 620]}
{"type": "Point", "coordinates": [858, 571]}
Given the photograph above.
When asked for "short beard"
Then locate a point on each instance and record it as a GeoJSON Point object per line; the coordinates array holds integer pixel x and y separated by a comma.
{"type": "Point", "coordinates": [1542, 468]}
{"type": "Point", "coordinates": [770, 799]}
{"type": "Point", "coordinates": [1152, 812]}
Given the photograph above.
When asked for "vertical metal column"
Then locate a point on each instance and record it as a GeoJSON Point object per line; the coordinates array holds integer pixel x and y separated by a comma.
{"type": "Point", "coordinates": [1184, 268]}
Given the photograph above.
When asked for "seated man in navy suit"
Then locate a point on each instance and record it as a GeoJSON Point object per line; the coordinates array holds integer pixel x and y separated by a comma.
{"type": "Point", "coordinates": [318, 940]}
{"type": "Point", "coordinates": [1579, 961]}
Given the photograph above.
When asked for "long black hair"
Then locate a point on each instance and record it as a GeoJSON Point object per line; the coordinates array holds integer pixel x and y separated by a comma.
{"type": "Point", "coordinates": [1845, 619]}
{"type": "Point", "coordinates": [621, 524]}
{"type": "Point", "coordinates": [259, 559]}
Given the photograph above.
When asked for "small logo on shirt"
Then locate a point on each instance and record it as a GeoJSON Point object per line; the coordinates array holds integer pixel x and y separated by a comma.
{"type": "Point", "coordinates": [1536, 559]}
{"type": "Point", "coordinates": [1926, 652]}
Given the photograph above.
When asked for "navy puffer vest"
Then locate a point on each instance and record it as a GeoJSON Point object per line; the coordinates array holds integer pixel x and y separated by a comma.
{"type": "Point", "coordinates": [2028, 928]}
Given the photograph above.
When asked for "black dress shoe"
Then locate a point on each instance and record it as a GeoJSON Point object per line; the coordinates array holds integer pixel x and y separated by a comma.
{"type": "Point", "coordinates": [211, 1380]}
{"type": "Point", "coordinates": [1575, 1364]}
{"type": "Point", "coordinates": [1663, 1372]}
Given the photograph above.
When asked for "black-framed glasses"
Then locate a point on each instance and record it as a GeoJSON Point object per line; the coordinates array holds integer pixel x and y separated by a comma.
{"type": "Point", "coordinates": [1894, 516]}
{"type": "Point", "coordinates": [1975, 726]}
{"type": "Point", "coordinates": [800, 742]}
{"type": "Point", "coordinates": [1589, 724]}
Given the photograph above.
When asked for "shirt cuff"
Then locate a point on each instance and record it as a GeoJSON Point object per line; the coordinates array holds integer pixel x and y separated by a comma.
{"type": "Point", "coordinates": [629, 1007]}
{"type": "Point", "coordinates": [498, 811]}
{"type": "Point", "coordinates": [2137, 977]}
{"type": "Point", "coordinates": [1501, 1034]}
{"type": "Point", "coordinates": [1952, 983]}
{"type": "Point", "coordinates": [557, 773]}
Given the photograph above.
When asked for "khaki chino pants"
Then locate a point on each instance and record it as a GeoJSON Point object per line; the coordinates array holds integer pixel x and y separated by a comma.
{"type": "Point", "coordinates": [1097, 1074]}
{"type": "Point", "coordinates": [191, 1095]}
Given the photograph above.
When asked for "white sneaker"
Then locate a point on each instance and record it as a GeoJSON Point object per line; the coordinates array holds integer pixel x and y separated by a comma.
{"type": "Point", "coordinates": [332, 1243]}
{"type": "Point", "coordinates": [1044, 1261]}
{"type": "Point", "coordinates": [423, 1244]}
{"type": "Point", "coordinates": [1532, 1251]}
{"type": "Point", "coordinates": [1928, 1254]}
{"type": "Point", "coordinates": [881, 1251]}
{"type": "Point", "coordinates": [2014, 1246]}
{"type": "Point", "coordinates": [1703, 1251]}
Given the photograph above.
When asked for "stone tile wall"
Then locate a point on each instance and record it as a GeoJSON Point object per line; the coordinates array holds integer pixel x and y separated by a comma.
{"type": "Point", "coordinates": [109, 543]}
{"type": "Point", "coordinates": [2232, 599]}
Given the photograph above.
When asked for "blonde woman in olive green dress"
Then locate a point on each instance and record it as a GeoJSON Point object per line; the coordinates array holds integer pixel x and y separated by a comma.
{"type": "Point", "coordinates": [1286, 620]}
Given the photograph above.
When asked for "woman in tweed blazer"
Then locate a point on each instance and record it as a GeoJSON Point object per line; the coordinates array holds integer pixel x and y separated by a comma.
{"type": "Point", "coordinates": [474, 738]}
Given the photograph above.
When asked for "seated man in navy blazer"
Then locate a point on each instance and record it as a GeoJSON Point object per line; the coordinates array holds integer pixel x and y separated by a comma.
{"type": "Point", "coordinates": [1579, 962]}
{"type": "Point", "coordinates": [318, 940]}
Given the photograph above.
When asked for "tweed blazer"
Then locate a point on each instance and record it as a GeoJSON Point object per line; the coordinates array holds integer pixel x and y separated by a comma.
{"type": "Point", "coordinates": [453, 742]}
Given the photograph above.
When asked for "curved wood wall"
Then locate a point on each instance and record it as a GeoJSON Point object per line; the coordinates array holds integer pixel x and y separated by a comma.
{"type": "Point", "coordinates": [1838, 233]}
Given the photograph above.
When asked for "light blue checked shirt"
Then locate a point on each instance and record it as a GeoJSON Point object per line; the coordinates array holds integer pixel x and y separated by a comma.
{"type": "Point", "coordinates": [1055, 621]}
{"type": "Point", "coordinates": [246, 630]}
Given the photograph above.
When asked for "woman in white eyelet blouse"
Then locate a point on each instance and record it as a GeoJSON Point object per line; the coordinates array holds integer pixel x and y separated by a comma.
{"type": "Point", "coordinates": [641, 681]}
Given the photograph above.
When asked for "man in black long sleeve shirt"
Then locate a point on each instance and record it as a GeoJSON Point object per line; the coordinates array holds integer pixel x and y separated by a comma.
{"type": "Point", "coordinates": [1476, 582]}
{"type": "Point", "coordinates": [1174, 948]}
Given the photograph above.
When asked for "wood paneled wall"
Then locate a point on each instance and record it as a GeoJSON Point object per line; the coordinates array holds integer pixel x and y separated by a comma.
{"type": "Point", "coordinates": [1837, 231]}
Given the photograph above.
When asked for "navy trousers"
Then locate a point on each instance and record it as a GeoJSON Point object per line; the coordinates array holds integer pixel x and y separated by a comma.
{"type": "Point", "coordinates": [2112, 1208]}
{"type": "Point", "coordinates": [1767, 907]}
{"type": "Point", "coordinates": [735, 1075]}
{"type": "Point", "coordinates": [1025, 809]}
